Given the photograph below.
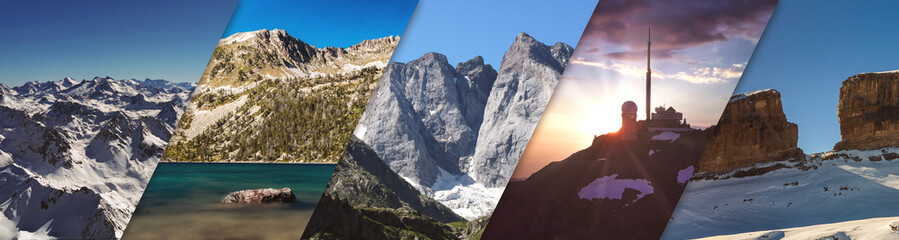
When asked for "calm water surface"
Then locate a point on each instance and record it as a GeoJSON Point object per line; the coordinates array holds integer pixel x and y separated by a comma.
{"type": "Point", "coordinates": [182, 201]}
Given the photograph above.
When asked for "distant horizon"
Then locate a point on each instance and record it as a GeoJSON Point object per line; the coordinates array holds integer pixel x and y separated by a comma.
{"type": "Point", "coordinates": [92, 78]}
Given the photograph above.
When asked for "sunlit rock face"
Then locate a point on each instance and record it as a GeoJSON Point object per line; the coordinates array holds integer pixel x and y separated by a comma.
{"type": "Point", "coordinates": [753, 129]}
{"type": "Point", "coordinates": [869, 111]}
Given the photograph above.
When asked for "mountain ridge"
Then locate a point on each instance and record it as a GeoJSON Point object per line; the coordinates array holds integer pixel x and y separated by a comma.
{"type": "Point", "coordinates": [77, 155]}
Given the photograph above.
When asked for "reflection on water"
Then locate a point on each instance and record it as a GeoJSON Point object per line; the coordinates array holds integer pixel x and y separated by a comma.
{"type": "Point", "coordinates": [182, 201]}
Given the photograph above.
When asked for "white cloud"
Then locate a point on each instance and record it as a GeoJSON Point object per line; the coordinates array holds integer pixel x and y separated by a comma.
{"type": "Point", "coordinates": [706, 75]}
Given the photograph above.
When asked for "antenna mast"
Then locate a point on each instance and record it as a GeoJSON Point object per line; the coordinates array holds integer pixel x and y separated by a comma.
{"type": "Point", "coordinates": [648, 73]}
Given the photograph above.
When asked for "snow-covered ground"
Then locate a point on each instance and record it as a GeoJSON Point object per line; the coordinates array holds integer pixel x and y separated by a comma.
{"type": "Point", "coordinates": [666, 136]}
{"type": "Point", "coordinates": [76, 156]}
{"type": "Point", "coordinates": [610, 187]}
{"type": "Point", "coordinates": [874, 229]}
{"type": "Point", "coordinates": [465, 196]}
{"type": "Point", "coordinates": [847, 187]}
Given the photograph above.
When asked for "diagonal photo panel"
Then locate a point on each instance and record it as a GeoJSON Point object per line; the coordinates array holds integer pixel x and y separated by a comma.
{"type": "Point", "coordinates": [270, 117]}
{"type": "Point", "coordinates": [624, 129]}
{"type": "Point", "coordinates": [449, 119]}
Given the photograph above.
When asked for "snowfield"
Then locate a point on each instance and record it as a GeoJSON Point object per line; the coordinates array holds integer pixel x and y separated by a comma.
{"type": "Point", "coordinates": [844, 192]}
{"type": "Point", "coordinates": [75, 157]}
{"type": "Point", "coordinates": [465, 196]}
{"type": "Point", "coordinates": [875, 228]}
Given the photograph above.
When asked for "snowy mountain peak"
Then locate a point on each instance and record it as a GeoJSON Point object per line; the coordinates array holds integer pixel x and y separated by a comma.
{"type": "Point", "coordinates": [258, 34]}
{"type": "Point", "coordinates": [85, 152]}
{"type": "Point", "coordinates": [68, 82]}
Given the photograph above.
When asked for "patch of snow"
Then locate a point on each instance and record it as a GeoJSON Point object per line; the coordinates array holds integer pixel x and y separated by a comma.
{"type": "Point", "coordinates": [893, 71]}
{"type": "Point", "coordinates": [360, 130]}
{"type": "Point", "coordinates": [609, 187]}
{"type": "Point", "coordinates": [684, 175]}
{"type": "Point", "coordinates": [666, 136]}
{"type": "Point", "coordinates": [736, 97]}
{"type": "Point", "coordinates": [239, 37]}
{"type": "Point", "coordinates": [464, 195]}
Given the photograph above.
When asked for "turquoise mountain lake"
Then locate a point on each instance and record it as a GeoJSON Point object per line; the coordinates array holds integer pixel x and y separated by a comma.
{"type": "Point", "coordinates": [182, 201]}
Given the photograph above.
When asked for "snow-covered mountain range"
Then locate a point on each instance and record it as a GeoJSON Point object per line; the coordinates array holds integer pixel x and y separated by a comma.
{"type": "Point", "coordinates": [75, 156]}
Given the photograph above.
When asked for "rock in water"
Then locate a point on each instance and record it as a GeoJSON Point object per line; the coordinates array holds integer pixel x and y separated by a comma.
{"type": "Point", "coordinates": [529, 74]}
{"type": "Point", "coordinates": [869, 111]}
{"type": "Point", "coordinates": [257, 196]}
{"type": "Point", "coordinates": [753, 129]}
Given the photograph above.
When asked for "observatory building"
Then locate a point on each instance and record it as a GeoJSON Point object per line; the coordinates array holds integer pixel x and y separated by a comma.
{"type": "Point", "coordinates": [628, 121]}
{"type": "Point", "coordinates": [664, 119]}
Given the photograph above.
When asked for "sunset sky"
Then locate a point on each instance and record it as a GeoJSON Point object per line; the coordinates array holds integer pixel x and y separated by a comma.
{"type": "Point", "coordinates": [699, 51]}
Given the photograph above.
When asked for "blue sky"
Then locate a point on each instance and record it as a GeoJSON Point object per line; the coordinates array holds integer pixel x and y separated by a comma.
{"type": "Point", "coordinates": [809, 49]}
{"type": "Point", "coordinates": [464, 29]}
{"type": "Point", "coordinates": [49, 40]}
{"type": "Point", "coordinates": [337, 23]}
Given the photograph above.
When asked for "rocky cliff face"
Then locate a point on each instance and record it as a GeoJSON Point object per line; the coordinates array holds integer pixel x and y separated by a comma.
{"type": "Point", "coordinates": [244, 58]}
{"type": "Point", "coordinates": [457, 133]}
{"type": "Point", "coordinates": [753, 129]}
{"type": "Point", "coordinates": [869, 111]}
{"type": "Point", "coordinates": [415, 120]}
{"type": "Point", "coordinates": [428, 114]}
{"type": "Point", "coordinates": [529, 74]}
{"type": "Point", "coordinates": [474, 84]}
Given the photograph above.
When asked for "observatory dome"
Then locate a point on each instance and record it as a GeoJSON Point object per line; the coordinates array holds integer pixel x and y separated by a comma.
{"type": "Point", "coordinates": [629, 107]}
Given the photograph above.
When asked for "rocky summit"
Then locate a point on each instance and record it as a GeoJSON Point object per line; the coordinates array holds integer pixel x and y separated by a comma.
{"type": "Point", "coordinates": [441, 127]}
{"type": "Point", "coordinates": [753, 129]}
{"type": "Point", "coordinates": [269, 97]}
{"type": "Point", "coordinates": [529, 74]}
{"type": "Point", "coordinates": [260, 196]}
{"type": "Point", "coordinates": [869, 111]}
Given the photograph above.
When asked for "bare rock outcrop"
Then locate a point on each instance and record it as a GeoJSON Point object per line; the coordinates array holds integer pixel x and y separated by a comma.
{"type": "Point", "coordinates": [529, 74]}
{"type": "Point", "coordinates": [869, 111]}
{"type": "Point", "coordinates": [753, 129]}
{"type": "Point", "coordinates": [258, 196]}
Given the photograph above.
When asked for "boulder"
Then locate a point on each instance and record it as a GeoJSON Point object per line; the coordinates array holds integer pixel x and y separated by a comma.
{"type": "Point", "coordinates": [259, 196]}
